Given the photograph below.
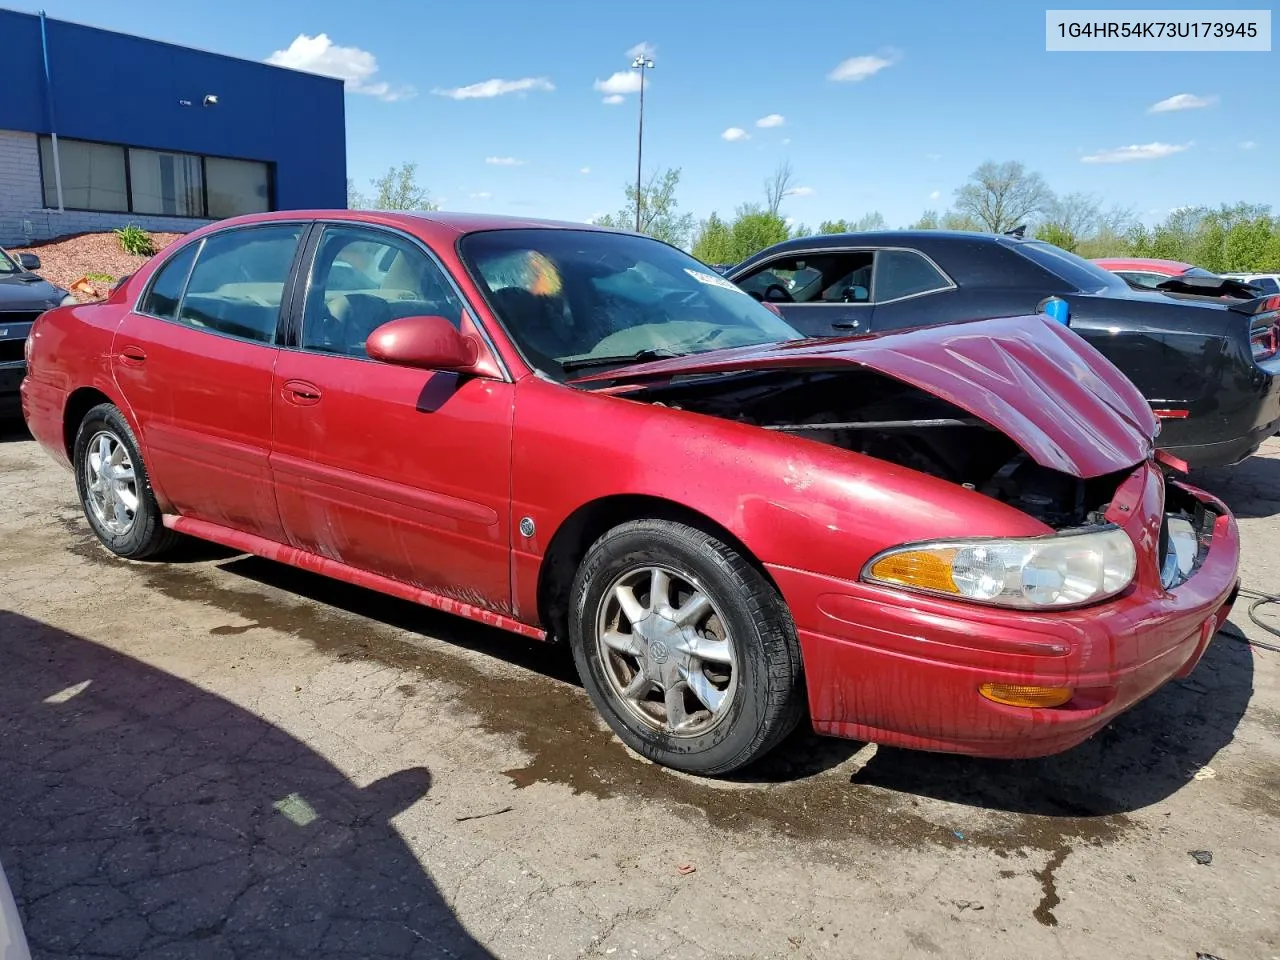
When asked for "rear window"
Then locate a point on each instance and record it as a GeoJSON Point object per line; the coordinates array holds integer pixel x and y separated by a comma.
{"type": "Point", "coordinates": [1266, 284]}
{"type": "Point", "coordinates": [1078, 272]}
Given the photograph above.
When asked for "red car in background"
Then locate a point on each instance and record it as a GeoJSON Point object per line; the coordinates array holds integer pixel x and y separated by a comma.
{"type": "Point", "coordinates": [1174, 276]}
{"type": "Point", "coordinates": [954, 538]}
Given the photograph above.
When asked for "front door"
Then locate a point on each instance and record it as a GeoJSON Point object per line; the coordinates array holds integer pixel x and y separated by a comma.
{"type": "Point", "coordinates": [822, 293]}
{"type": "Point", "coordinates": [397, 471]}
{"type": "Point", "coordinates": [195, 364]}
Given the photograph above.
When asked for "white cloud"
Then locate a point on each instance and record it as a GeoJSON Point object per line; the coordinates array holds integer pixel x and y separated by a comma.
{"type": "Point", "coordinates": [624, 81]}
{"type": "Point", "coordinates": [786, 140]}
{"type": "Point", "coordinates": [734, 134]}
{"type": "Point", "coordinates": [799, 192]}
{"type": "Point", "coordinates": [355, 67]}
{"type": "Point", "coordinates": [933, 156]}
{"type": "Point", "coordinates": [859, 68]}
{"type": "Point", "coordinates": [935, 194]}
{"type": "Point", "coordinates": [482, 195]}
{"type": "Point", "coordinates": [614, 99]}
{"type": "Point", "coordinates": [504, 161]}
{"type": "Point", "coordinates": [585, 170]}
{"type": "Point", "coordinates": [1182, 101]}
{"type": "Point", "coordinates": [1248, 144]}
{"type": "Point", "coordinates": [1135, 151]}
{"type": "Point", "coordinates": [790, 221]}
{"type": "Point", "coordinates": [496, 88]}
{"type": "Point", "coordinates": [643, 49]}
{"type": "Point", "coordinates": [772, 120]}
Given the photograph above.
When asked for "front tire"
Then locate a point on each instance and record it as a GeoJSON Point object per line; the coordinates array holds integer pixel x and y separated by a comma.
{"type": "Point", "coordinates": [114, 490]}
{"type": "Point", "coordinates": [684, 647]}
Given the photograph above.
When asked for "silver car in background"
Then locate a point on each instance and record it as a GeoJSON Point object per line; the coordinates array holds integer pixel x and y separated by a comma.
{"type": "Point", "coordinates": [13, 943]}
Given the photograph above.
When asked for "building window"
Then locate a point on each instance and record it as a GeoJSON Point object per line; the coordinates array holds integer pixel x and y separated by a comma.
{"type": "Point", "coordinates": [93, 176]}
{"type": "Point", "coordinates": [236, 186]}
{"type": "Point", "coordinates": [117, 179]}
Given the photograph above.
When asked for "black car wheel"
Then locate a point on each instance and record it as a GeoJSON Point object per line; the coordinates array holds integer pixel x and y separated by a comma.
{"type": "Point", "coordinates": [114, 490]}
{"type": "Point", "coordinates": [685, 648]}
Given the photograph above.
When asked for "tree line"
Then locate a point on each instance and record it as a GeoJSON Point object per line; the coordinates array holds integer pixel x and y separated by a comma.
{"type": "Point", "coordinates": [996, 198]}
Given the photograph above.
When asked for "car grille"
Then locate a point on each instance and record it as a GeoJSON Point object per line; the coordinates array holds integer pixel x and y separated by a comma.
{"type": "Point", "coordinates": [11, 350]}
{"type": "Point", "coordinates": [18, 316]}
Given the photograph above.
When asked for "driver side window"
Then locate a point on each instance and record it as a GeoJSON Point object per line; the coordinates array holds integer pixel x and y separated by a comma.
{"type": "Point", "coordinates": [363, 278]}
{"type": "Point", "coordinates": [842, 276]}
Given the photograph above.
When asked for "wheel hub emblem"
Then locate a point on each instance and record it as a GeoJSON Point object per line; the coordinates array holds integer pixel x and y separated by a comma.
{"type": "Point", "coordinates": [659, 651]}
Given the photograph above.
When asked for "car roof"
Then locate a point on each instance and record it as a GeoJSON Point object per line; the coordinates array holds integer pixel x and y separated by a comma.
{"type": "Point", "coordinates": [433, 221]}
{"type": "Point", "coordinates": [1144, 263]}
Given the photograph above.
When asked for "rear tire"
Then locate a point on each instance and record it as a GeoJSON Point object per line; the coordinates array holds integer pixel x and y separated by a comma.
{"type": "Point", "coordinates": [115, 492]}
{"type": "Point", "coordinates": [685, 648]}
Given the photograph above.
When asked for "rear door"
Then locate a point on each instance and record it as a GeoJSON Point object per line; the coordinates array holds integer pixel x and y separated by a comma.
{"type": "Point", "coordinates": [195, 361]}
{"type": "Point", "coordinates": [822, 293]}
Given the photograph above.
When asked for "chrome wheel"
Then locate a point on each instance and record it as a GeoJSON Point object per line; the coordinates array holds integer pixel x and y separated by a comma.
{"type": "Point", "coordinates": [111, 484]}
{"type": "Point", "coordinates": [666, 651]}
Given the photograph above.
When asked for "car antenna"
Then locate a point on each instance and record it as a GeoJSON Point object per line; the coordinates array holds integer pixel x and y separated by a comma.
{"type": "Point", "coordinates": [1020, 231]}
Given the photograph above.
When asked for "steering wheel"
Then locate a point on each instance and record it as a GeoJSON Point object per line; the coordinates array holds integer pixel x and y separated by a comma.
{"type": "Point", "coordinates": [768, 293]}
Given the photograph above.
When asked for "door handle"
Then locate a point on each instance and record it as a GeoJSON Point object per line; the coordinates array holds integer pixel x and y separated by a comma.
{"type": "Point", "coordinates": [847, 324]}
{"type": "Point", "coordinates": [133, 355]}
{"type": "Point", "coordinates": [301, 393]}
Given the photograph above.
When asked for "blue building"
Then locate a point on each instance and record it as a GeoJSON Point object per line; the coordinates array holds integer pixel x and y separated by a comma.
{"type": "Point", "coordinates": [101, 129]}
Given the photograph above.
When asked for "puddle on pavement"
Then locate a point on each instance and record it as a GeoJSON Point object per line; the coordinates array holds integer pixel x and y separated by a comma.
{"type": "Point", "coordinates": [804, 792]}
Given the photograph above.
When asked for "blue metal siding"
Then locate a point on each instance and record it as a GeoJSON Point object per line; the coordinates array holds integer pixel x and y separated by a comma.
{"type": "Point", "coordinates": [118, 88]}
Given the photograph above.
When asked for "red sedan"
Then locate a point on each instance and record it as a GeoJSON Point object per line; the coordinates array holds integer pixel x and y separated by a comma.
{"type": "Point", "coordinates": [954, 538]}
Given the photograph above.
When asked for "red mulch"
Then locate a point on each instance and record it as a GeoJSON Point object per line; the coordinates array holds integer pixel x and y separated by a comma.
{"type": "Point", "coordinates": [67, 259]}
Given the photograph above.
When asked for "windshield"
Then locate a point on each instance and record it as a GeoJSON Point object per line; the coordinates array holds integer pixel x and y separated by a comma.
{"type": "Point", "coordinates": [1080, 273]}
{"type": "Point", "coordinates": [7, 265]}
{"type": "Point", "coordinates": [579, 298]}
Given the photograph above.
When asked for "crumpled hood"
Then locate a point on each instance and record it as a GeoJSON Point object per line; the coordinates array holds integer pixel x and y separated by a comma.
{"type": "Point", "coordinates": [1030, 377]}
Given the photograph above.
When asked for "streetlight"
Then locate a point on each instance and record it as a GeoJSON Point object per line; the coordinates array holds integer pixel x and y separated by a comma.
{"type": "Point", "coordinates": [641, 63]}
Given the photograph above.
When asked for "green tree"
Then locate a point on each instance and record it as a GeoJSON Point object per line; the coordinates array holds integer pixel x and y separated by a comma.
{"type": "Point", "coordinates": [398, 189]}
{"type": "Point", "coordinates": [778, 186]}
{"type": "Point", "coordinates": [956, 220]}
{"type": "Point", "coordinates": [658, 206]}
{"type": "Point", "coordinates": [355, 199]}
{"type": "Point", "coordinates": [869, 221]}
{"type": "Point", "coordinates": [1002, 196]}
{"type": "Point", "coordinates": [754, 229]}
{"type": "Point", "coordinates": [714, 241]}
{"type": "Point", "coordinates": [929, 220]}
{"type": "Point", "coordinates": [834, 226]}
{"type": "Point", "coordinates": [1058, 235]}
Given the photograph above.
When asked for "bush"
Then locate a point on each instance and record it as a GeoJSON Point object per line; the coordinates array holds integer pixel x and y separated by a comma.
{"type": "Point", "coordinates": [135, 241]}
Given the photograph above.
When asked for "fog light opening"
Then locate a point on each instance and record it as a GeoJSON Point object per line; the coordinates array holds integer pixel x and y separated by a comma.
{"type": "Point", "coordinates": [1025, 695]}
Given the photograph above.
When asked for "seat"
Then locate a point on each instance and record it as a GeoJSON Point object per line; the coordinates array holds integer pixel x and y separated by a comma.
{"type": "Point", "coordinates": [356, 316]}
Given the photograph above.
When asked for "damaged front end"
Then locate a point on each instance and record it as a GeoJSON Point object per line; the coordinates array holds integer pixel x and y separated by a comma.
{"type": "Point", "coordinates": [1020, 409]}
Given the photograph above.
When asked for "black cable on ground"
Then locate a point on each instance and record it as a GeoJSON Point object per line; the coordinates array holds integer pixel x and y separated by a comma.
{"type": "Point", "coordinates": [1258, 600]}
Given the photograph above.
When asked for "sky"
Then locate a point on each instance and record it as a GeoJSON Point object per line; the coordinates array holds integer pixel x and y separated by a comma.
{"type": "Point", "coordinates": [528, 108]}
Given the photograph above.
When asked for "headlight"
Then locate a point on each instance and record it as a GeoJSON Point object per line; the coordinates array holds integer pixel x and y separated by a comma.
{"type": "Point", "coordinates": [68, 299]}
{"type": "Point", "coordinates": [1036, 572]}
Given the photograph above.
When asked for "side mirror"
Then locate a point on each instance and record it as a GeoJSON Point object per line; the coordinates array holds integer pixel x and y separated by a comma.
{"type": "Point", "coordinates": [856, 294]}
{"type": "Point", "coordinates": [432, 343]}
{"type": "Point", "coordinates": [28, 261]}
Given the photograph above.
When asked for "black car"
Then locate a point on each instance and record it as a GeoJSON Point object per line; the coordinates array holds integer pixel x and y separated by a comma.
{"type": "Point", "coordinates": [1209, 367]}
{"type": "Point", "coordinates": [23, 297]}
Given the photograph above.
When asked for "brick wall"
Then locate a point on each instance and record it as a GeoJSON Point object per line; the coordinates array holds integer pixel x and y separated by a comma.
{"type": "Point", "coordinates": [23, 218]}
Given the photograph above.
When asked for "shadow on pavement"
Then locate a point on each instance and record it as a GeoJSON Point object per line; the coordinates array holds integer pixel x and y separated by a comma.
{"type": "Point", "coordinates": [1141, 758]}
{"type": "Point", "coordinates": [13, 430]}
{"type": "Point", "coordinates": [141, 816]}
{"type": "Point", "coordinates": [1251, 488]}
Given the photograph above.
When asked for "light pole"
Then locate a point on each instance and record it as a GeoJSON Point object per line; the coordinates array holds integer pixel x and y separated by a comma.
{"type": "Point", "coordinates": [641, 63]}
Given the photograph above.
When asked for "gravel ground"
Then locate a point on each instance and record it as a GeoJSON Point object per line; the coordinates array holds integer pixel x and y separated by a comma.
{"type": "Point", "coordinates": [67, 260]}
{"type": "Point", "coordinates": [225, 758]}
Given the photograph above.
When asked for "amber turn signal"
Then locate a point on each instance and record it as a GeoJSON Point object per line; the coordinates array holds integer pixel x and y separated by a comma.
{"type": "Point", "coordinates": [1021, 695]}
{"type": "Point", "coordinates": [926, 569]}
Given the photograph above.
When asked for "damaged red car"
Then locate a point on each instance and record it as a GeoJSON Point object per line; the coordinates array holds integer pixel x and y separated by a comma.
{"type": "Point", "coordinates": [954, 538]}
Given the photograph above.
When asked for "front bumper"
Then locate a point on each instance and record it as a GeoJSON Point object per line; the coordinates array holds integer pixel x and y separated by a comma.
{"type": "Point", "coordinates": [11, 375]}
{"type": "Point", "coordinates": [903, 670]}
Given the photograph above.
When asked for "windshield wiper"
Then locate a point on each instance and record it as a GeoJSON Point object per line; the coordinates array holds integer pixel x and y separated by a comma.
{"type": "Point", "coordinates": [640, 356]}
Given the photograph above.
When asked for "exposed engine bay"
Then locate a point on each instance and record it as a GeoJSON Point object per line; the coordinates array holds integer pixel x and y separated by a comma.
{"type": "Point", "coordinates": [881, 417]}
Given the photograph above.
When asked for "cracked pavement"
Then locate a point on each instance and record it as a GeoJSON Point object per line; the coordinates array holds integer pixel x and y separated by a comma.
{"type": "Point", "coordinates": [221, 757]}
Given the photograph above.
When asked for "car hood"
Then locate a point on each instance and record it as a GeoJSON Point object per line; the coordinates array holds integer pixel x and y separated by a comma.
{"type": "Point", "coordinates": [20, 292]}
{"type": "Point", "coordinates": [1030, 377]}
